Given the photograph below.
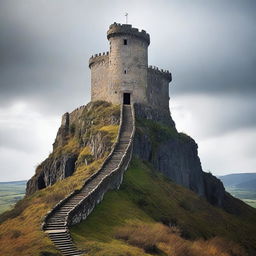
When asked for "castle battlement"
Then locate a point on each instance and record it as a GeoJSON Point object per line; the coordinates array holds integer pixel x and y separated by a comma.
{"type": "Point", "coordinates": [162, 72]}
{"type": "Point", "coordinates": [118, 29]}
{"type": "Point", "coordinates": [98, 58]}
{"type": "Point", "coordinates": [123, 74]}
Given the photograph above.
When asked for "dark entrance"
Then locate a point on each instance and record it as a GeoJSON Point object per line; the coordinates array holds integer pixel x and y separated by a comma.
{"type": "Point", "coordinates": [127, 99]}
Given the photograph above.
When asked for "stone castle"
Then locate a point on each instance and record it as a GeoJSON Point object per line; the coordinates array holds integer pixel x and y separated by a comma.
{"type": "Point", "coordinates": [122, 74]}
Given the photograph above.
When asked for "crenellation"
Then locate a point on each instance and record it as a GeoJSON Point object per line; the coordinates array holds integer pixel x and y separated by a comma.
{"type": "Point", "coordinates": [164, 73]}
{"type": "Point", "coordinates": [118, 29]}
{"type": "Point", "coordinates": [125, 71]}
{"type": "Point", "coordinates": [98, 58]}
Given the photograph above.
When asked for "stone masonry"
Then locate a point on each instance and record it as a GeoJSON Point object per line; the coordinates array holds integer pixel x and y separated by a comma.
{"type": "Point", "coordinates": [124, 70]}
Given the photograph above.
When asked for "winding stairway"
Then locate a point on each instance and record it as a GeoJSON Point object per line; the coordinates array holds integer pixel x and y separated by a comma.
{"type": "Point", "coordinates": [56, 225]}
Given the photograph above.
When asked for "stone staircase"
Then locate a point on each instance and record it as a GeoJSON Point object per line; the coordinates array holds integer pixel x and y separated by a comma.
{"type": "Point", "coordinates": [56, 222]}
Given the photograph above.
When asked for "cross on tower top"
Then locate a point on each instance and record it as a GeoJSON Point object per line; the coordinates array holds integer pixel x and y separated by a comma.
{"type": "Point", "coordinates": [126, 17]}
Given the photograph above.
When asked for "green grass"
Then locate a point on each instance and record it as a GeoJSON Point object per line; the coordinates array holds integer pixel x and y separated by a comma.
{"type": "Point", "coordinates": [147, 197]}
{"type": "Point", "coordinates": [20, 227]}
{"type": "Point", "coordinates": [10, 193]}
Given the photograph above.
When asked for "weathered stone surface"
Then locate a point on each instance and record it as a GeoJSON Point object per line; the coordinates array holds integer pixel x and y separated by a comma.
{"type": "Point", "coordinates": [214, 189]}
{"type": "Point", "coordinates": [124, 69]}
{"type": "Point", "coordinates": [175, 155]}
{"type": "Point", "coordinates": [79, 129]}
{"type": "Point", "coordinates": [154, 114]}
{"type": "Point", "coordinates": [50, 171]}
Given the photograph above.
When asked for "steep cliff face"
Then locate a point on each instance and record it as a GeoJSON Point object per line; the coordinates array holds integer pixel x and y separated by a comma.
{"type": "Point", "coordinates": [173, 154]}
{"type": "Point", "coordinates": [85, 135]}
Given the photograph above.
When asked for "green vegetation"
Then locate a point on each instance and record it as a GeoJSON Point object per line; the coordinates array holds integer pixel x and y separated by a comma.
{"type": "Point", "coordinates": [20, 228]}
{"type": "Point", "coordinates": [156, 238]}
{"type": "Point", "coordinates": [112, 130]}
{"type": "Point", "coordinates": [133, 220]}
{"type": "Point", "coordinates": [148, 198]}
{"type": "Point", "coordinates": [159, 132]}
{"type": "Point", "coordinates": [10, 193]}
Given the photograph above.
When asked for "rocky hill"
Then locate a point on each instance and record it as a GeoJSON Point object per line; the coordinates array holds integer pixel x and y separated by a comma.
{"type": "Point", "coordinates": [157, 141]}
{"type": "Point", "coordinates": [175, 155]}
{"type": "Point", "coordinates": [151, 215]}
{"type": "Point", "coordinates": [83, 142]}
{"type": "Point", "coordinates": [85, 135]}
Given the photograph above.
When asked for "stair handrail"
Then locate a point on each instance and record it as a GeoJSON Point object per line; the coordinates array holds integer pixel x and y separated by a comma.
{"type": "Point", "coordinates": [63, 201]}
{"type": "Point", "coordinates": [129, 148]}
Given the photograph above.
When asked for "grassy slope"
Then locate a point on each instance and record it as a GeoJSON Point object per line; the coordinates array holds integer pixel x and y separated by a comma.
{"type": "Point", "coordinates": [144, 197]}
{"type": "Point", "coordinates": [21, 232]}
{"type": "Point", "coordinates": [148, 197]}
{"type": "Point", "coordinates": [20, 228]}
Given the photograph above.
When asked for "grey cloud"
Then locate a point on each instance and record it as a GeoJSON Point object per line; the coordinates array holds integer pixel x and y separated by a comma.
{"type": "Point", "coordinates": [45, 46]}
{"type": "Point", "coordinates": [214, 115]}
{"type": "Point", "coordinates": [209, 46]}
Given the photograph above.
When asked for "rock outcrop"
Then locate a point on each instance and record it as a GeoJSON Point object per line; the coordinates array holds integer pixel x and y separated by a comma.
{"type": "Point", "coordinates": [85, 135]}
{"type": "Point", "coordinates": [174, 154]}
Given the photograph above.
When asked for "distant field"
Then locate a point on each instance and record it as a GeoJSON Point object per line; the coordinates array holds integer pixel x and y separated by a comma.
{"type": "Point", "coordinates": [10, 193]}
{"type": "Point", "coordinates": [248, 196]}
{"type": "Point", "coordinates": [250, 202]}
{"type": "Point", "coordinates": [242, 186]}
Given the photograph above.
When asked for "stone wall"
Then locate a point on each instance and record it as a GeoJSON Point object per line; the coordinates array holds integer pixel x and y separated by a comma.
{"type": "Point", "coordinates": [110, 181]}
{"type": "Point", "coordinates": [125, 70]}
{"type": "Point", "coordinates": [158, 88]}
{"type": "Point", "coordinates": [128, 68]}
{"type": "Point", "coordinates": [99, 65]}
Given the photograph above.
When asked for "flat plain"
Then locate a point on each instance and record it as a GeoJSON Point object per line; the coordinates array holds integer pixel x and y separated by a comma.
{"type": "Point", "coordinates": [10, 193]}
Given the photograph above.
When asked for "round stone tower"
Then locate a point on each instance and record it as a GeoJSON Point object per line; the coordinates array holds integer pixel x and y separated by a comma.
{"type": "Point", "coordinates": [120, 75]}
{"type": "Point", "coordinates": [128, 63]}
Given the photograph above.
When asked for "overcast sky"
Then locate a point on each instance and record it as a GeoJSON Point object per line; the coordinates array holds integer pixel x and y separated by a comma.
{"type": "Point", "coordinates": [209, 46]}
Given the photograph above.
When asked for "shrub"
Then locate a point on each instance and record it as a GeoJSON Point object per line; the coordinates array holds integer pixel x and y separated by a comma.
{"type": "Point", "coordinates": [15, 233]}
{"type": "Point", "coordinates": [158, 237]}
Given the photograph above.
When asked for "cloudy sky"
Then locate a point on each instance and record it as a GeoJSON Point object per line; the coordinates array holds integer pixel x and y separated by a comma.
{"type": "Point", "coordinates": [209, 46]}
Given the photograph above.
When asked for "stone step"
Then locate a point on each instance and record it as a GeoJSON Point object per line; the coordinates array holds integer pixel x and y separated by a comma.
{"type": "Point", "coordinates": [62, 241]}
{"type": "Point", "coordinates": [66, 247]}
{"type": "Point", "coordinates": [55, 226]}
{"type": "Point", "coordinates": [52, 228]}
{"type": "Point", "coordinates": [56, 223]}
{"type": "Point", "coordinates": [61, 238]}
{"type": "Point", "coordinates": [59, 241]}
{"type": "Point", "coordinates": [62, 223]}
{"type": "Point", "coordinates": [54, 219]}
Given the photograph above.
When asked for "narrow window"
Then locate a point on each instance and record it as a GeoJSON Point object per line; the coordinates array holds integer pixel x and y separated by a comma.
{"type": "Point", "coordinates": [125, 71]}
{"type": "Point", "coordinates": [125, 41]}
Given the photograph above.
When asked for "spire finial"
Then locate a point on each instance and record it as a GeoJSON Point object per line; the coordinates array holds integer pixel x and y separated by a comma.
{"type": "Point", "coordinates": [126, 17]}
